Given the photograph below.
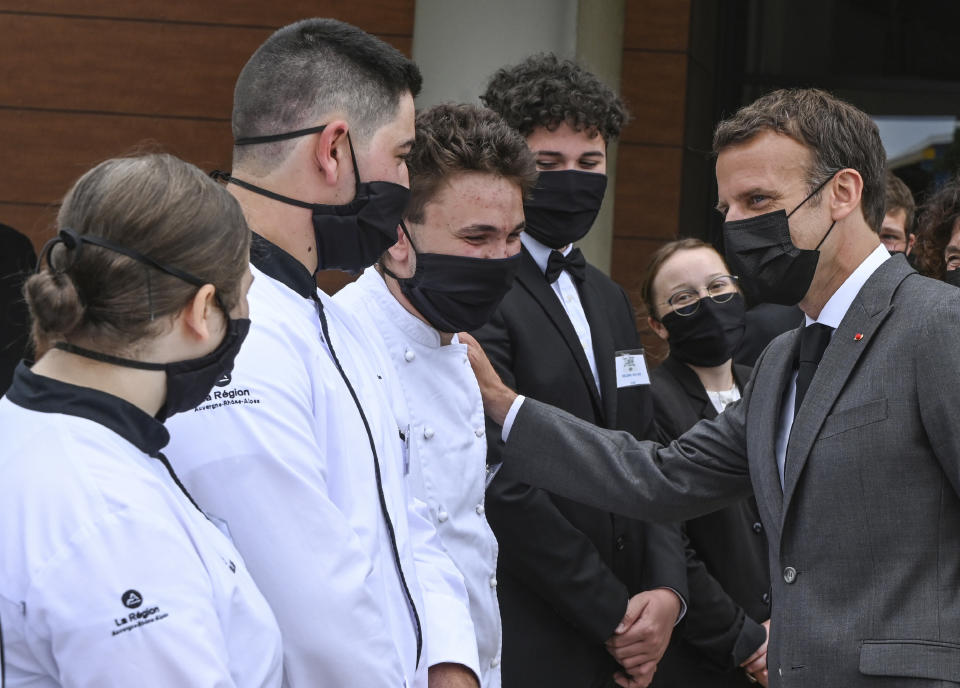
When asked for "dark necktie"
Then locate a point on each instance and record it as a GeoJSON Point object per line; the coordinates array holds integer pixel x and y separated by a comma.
{"type": "Point", "coordinates": [573, 262]}
{"type": "Point", "coordinates": [813, 342]}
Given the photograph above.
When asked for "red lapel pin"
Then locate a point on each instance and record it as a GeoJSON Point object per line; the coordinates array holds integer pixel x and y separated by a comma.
{"type": "Point", "coordinates": [858, 336]}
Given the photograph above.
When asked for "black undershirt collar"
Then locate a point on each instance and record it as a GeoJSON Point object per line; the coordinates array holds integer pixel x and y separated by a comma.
{"type": "Point", "coordinates": [274, 262]}
{"type": "Point", "coordinates": [46, 395]}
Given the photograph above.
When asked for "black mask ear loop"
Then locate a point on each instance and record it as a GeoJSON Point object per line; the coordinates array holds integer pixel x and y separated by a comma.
{"type": "Point", "coordinates": [388, 271]}
{"type": "Point", "coordinates": [811, 195]}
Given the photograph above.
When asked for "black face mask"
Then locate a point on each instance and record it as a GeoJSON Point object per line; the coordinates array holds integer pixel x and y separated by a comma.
{"type": "Point", "coordinates": [188, 382]}
{"type": "Point", "coordinates": [709, 336]}
{"type": "Point", "coordinates": [952, 277]}
{"type": "Point", "coordinates": [351, 236]}
{"type": "Point", "coordinates": [457, 293]}
{"type": "Point", "coordinates": [770, 267]}
{"type": "Point", "coordinates": [564, 206]}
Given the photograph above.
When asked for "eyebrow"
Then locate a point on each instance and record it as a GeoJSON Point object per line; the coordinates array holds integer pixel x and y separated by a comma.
{"type": "Point", "coordinates": [488, 229]}
{"type": "Point", "coordinates": [407, 144]}
{"type": "Point", "coordinates": [558, 154]}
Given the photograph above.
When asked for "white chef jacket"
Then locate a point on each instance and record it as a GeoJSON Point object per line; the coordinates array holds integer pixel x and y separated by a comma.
{"type": "Point", "coordinates": [448, 452]}
{"type": "Point", "coordinates": [109, 576]}
{"type": "Point", "coordinates": [281, 454]}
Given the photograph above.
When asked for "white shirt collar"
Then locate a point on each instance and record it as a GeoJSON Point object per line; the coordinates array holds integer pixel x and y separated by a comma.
{"type": "Point", "coordinates": [540, 252]}
{"type": "Point", "coordinates": [374, 285]}
{"type": "Point", "coordinates": [838, 304]}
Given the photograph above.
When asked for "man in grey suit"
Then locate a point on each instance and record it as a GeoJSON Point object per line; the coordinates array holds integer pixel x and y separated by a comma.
{"type": "Point", "coordinates": [854, 457]}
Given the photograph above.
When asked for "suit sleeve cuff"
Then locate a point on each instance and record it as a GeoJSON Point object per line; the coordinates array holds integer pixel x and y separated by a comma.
{"type": "Point", "coordinates": [683, 604]}
{"type": "Point", "coordinates": [511, 416]}
{"type": "Point", "coordinates": [751, 637]}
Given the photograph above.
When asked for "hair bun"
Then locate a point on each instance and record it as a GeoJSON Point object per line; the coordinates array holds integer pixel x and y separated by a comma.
{"type": "Point", "coordinates": [54, 302]}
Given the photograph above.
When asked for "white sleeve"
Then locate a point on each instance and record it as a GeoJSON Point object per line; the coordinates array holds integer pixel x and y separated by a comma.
{"type": "Point", "coordinates": [167, 634]}
{"type": "Point", "coordinates": [448, 628]}
{"type": "Point", "coordinates": [270, 483]}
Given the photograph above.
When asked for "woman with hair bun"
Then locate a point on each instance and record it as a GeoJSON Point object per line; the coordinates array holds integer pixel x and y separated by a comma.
{"type": "Point", "coordinates": [110, 575]}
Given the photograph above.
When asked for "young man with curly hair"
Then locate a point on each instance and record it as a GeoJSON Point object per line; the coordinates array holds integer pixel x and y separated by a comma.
{"type": "Point", "coordinates": [583, 593]}
{"type": "Point", "coordinates": [938, 236]}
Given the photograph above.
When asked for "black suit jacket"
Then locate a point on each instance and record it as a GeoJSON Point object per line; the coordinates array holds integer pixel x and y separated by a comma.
{"type": "Point", "coordinates": [567, 570]}
{"type": "Point", "coordinates": [727, 572]}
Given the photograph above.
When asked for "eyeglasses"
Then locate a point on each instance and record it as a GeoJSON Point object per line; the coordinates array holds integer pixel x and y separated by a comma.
{"type": "Point", "coordinates": [721, 289]}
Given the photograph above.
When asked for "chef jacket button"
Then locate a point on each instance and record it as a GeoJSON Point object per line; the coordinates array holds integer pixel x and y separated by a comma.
{"type": "Point", "coordinates": [427, 433]}
{"type": "Point", "coordinates": [480, 509]}
{"type": "Point", "coordinates": [765, 598]}
{"type": "Point", "coordinates": [479, 431]}
{"type": "Point", "coordinates": [442, 516]}
{"type": "Point", "coordinates": [758, 527]}
{"type": "Point", "coordinates": [495, 662]}
{"type": "Point", "coordinates": [789, 575]}
{"type": "Point", "coordinates": [493, 581]}
{"type": "Point", "coordinates": [409, 355]}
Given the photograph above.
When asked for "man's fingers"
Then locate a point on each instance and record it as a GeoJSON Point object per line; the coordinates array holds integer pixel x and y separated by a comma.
{"type": "Point", "coordinates": [635, 607]}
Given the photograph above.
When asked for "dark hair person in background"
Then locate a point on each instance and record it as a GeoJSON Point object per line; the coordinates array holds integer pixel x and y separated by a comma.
{"type": "Point", "coordinates": [938, 234]}
{"type": "Point", "coordinates": [896, 232]}
{"type": "Point", "coordinates": [109, 572]}
{"type": "Point", "coordinates": [573, 579]}
{"type": "Point", "coordinates": [17, 260]}
{"type": "Point", "coordinates": [695, 305]}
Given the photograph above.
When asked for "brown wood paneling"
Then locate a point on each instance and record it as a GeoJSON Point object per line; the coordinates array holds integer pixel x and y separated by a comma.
{"type": "Point", "coordinates": [98, 65]}
{"type": "Point", "coordinates": [657, 25]}
{"type": "Point", "coordinates": [648, 191]}
{"type": "Point", "coordinates": [44, 152]}
{"type": "Point", "coordinates": [36, 221]}
{"type": "Point", "coordinates": [654, 88]}
{"type": "Point", "coordinates": [376, 16]}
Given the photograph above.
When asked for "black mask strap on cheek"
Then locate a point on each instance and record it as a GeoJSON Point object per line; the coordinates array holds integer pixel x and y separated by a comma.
{"type": "Point", "coordinates": [272, 138]}
{"type": "Point", "coordinates": [814, 192]}
{"type": "Point", "coordinates": [832, 225]}
{"type": "Point", "coordinates": [356, 168]}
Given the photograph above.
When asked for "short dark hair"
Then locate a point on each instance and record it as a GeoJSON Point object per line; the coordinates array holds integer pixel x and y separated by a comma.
{"type": "Point", "coordinates": [838, 136]}
{"type": "Point", "coordinates": [545, 91]}
{"type": "Point", "coordinates": [897, 196]}
{"type": "Point", "coordinates": [310, 68]}
{"type": "Point", "coordinates": [159, 206]}
{"type": "Point", "coordinates": [938, 215]}
{"type": "Point", "coordinates": [464, 138]}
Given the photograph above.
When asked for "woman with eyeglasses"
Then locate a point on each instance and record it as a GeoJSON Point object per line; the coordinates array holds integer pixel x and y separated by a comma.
{"type": "Point", "coordinates": [110, 575]}
{"type": "Point", "coordinates": [695, 305]}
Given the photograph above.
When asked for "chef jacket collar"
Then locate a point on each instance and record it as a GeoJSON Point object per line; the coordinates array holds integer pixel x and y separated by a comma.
{"type": "Point", "coordinates": [274, 262]}
{"type": "Point", "coordinates": [46, 395]}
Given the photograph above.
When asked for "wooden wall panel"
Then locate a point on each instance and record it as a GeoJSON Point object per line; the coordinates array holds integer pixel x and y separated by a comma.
{"type": "Point", "coordinates": [650, 157]}
{"type": "Point", "coordinates": [648, 200]}
{"type": "Point", "coordinates": [394, 17]}
{"type": "Point", "coordinates": [85, 80]}
{"type": "Point", "coordinates": [654, 88]}
{"type": "Point", "coordinates": [657, 25]}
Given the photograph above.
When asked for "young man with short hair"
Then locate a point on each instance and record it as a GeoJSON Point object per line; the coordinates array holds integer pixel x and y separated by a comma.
{"type": "Point", "coordinates": [453, 263]}
{"type": "Point", "coordinates": [896, 232]}
{"type": "Point", "coordinates": [297, 453]}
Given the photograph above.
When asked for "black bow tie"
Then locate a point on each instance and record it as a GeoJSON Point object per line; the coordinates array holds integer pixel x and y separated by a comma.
{"type": "Point", "coordinates": [573, 262]}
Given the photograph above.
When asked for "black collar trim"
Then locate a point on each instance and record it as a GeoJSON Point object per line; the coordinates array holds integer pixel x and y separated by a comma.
{"type": "Point", "coordinates": [274, 262]}
{"type": "Point", "coordinates": [46, 395]}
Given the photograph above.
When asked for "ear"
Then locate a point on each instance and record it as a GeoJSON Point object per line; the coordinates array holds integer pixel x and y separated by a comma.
{"type": "Point", "coordinates": [658, 328]}
{"type": "Point", "coordinates": [200, 315]}
{"type": "Point", "coordinates": [847, 192]}
{"type": "Point", "coordinates": [332, 152]}
{"type": "Point", "coordinates": [911, 240]}
{"type": "Point", "coordinates": [402, 260]}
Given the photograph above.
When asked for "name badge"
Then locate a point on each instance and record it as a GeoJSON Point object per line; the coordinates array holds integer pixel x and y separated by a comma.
{"type": "Point", "coordinates": [631, 368]}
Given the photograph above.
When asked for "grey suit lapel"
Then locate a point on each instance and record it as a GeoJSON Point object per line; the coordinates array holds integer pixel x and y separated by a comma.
{"type": "Point", "coordinates": [763, 421]}
{"type": "Point", "coordinates": [851, 340]}
{"type": "Point", "coordinates": [531, 279]}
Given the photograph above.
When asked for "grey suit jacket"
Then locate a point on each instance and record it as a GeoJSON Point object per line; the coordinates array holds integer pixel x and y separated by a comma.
{"type": "Point", "coordinates": [865, 534]}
